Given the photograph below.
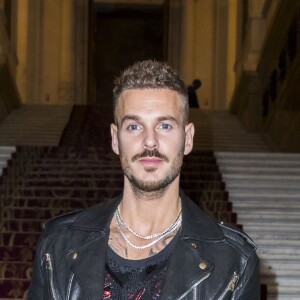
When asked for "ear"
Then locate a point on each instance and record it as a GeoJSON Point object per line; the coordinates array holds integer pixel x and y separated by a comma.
{"type": "Point", "coordinates": [114, 138]}
{"type": "Point", "coordinates": [189, 138]}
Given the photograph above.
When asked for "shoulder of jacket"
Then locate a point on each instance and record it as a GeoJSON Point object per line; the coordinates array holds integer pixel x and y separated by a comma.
{"type": "Point", "coordinates": [61, 221]}
{"type": "Point", "coordinates": [238, 238]}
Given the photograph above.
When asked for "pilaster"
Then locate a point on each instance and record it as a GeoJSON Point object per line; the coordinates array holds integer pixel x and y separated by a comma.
{"type": "Point", "coordinates": [187, 41]}
{"type": "Point", "coordinates": [66, 78]}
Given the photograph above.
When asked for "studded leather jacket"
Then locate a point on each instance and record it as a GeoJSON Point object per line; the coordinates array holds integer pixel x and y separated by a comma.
{"type": "Point", "coordinates": [210, 260]}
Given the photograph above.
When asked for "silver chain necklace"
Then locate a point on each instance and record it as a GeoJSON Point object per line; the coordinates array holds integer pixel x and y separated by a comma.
{"type": "Point", "coordinates": [146, 237]}
{"type": "Point", "coordinates": [171, 228]}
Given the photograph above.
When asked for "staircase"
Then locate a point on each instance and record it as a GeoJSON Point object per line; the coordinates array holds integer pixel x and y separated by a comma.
{"type": "Point", "coordinates": [35, 125]}
{"type": "Point", "coordinates": [264, 189]}
{"type": "Point", "coordinates": [219, 130]}
{"type": "Point", "coordinates": [42, 182]}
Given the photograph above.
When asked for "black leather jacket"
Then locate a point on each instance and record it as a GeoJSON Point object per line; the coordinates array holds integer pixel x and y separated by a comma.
{"type": "Point", "coordinates": [210, 260]}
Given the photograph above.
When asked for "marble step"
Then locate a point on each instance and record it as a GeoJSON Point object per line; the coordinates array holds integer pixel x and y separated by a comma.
{"type": "Point", "coordinates": [257, 156]}
{"type": "Point", "coordinates": [272, 220]}
{"type": "Point", "coordinates": [227, 137]}
{"type": "Point", "coordinates": [225, 148]}
{"type": "Point", "coordinates": [278, 292]}
{"type": "Point", "coordinates": [241, 177]}
{"type": "Point", "coordinates": [266, 271]}
{"type": "Point", "coordinates": [287, 280]}
{"type": "Point", "coordinates": [284, 228]}
{"type": "Point", "coordinates": [229, 146]}
{"type": "Point", "coordinates": [258, 171]}
{"type": "Point", "coordinates": [263, 190]}
{"type": "Point", "coordinates": [34, 125]}
{"type": "Point", "coordinates": [276, 235]}
{"type": "Point", "coordinates": [250, 183]}
{"type": "Point", "coordinates": [278, 249]}
{"type": "Point", "coordinates": [272, 164]}
{"type": "Point", "coordinates": [6, 153]}
{"type": "Point", "coordinates": [280, 259]}
{"type": "Point", "coordinates": [7, 150]}
{"type": "Point", "coordinates": [274, 265]}
{"type": "Point", "coordinates": [272, 243]}
{"type": "Point", "coordinates": [264, 197]}
{"type": "Point", "coordinates": [267, 207]}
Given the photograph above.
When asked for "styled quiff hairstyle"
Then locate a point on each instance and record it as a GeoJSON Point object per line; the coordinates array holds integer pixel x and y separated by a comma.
{"type": "Point", "coordinates": [150, 74]}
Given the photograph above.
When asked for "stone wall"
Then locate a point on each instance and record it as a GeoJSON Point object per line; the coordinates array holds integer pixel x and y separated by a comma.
{"type": "Point", "coordinates": [267, 93]}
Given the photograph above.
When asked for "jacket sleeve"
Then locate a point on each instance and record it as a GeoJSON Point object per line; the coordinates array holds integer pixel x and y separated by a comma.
{"type": "Point", "coordinates": [36, 288]}
{"type": "Point", "coordinates": [249, 284]}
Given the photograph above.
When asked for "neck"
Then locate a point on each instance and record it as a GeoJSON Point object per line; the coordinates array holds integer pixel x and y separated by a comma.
{"type": "Point", "coordinates": [146, 215]}
{"type": "Point", "coordinates": [150, 212]}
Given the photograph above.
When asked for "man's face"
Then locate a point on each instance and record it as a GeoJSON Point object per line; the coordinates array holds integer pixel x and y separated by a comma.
{"type": "Point", "coordinates": [151, 137]}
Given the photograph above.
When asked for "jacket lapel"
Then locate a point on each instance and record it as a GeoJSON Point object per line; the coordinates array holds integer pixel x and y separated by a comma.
{"type": "Point", "coordinates": [187, 268]}
{"type": "Point", "coordinates": [87, 259]}
{"type": "Point", "coordinates": [88, 265]}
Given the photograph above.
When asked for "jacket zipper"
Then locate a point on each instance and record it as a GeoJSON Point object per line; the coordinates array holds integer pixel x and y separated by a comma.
{"type": "Point", "coordinates": [191, 288]}
{"type": "Point", "coordinates": [49, 267]}
{"type": "Point", "coordinates": [231, 285]}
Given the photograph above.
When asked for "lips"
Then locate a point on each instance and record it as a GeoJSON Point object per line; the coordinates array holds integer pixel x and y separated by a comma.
{"type": "Point", "coordinates": [150, 161]}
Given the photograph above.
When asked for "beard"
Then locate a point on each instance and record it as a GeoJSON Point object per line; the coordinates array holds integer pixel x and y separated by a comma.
{"type": "Point", "coordinates": [152, 186]}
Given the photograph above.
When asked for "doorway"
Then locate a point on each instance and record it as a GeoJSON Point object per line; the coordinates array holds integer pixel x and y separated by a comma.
{"type": "Point", "coordinates": [121, 35]}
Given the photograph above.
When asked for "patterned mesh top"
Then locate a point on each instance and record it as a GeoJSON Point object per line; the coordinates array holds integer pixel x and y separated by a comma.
{"type": "Point", "coordinates": [136, 279]}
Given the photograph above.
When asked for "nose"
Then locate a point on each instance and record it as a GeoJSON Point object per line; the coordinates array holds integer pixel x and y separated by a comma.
{"type": "Point", "coordinates": [150, 140]}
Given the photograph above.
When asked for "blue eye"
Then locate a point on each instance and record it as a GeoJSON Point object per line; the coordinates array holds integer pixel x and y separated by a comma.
{"type": "Point", "coordinates": [165, 126]}
{"type": "Point", "coordinates": [133, 127]}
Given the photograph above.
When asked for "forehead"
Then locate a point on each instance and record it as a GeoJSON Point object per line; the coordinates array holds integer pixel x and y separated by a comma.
{"type": "Point", "coordinates": [149, 101]}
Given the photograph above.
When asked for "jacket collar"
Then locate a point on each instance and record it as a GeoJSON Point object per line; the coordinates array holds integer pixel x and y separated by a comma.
{"type": "Point", "coordinates": [196, 224]}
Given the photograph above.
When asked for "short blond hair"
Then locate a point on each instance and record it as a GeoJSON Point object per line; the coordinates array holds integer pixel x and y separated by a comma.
{"type": "Point", "coordinates": [150, 74]}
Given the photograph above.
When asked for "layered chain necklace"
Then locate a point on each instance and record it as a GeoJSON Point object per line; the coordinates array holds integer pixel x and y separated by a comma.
{"type": "Point", "coordinates": [158, 236]}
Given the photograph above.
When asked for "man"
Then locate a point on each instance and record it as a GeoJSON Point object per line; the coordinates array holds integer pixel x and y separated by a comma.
{"type": "Point", "coordinates": [192, 96]}
{"type": "Point", "coordinates": [151, 242]}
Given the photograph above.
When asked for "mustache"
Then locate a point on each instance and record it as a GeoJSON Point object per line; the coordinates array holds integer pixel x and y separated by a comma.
{"type": "Point", "coordinates": [150, 153]}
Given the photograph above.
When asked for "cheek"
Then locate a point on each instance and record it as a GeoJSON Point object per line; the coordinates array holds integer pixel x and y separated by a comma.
{"type": "Point", "coordinates": [129, 146]}
{"type": "Point", "coordinates": [173, 144]}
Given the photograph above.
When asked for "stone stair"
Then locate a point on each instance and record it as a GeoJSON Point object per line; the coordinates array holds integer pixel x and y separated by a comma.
{"type": "Point", "coordinates": [264, 189]}
{"type": "Point", "coordinates": [35, 125]}
{"type": "Point", "coordinates": [218, 130]}
{"type": "Point", "coordinates": [6, 154]}
{"type": "Point", "coordinates": [40, 183]}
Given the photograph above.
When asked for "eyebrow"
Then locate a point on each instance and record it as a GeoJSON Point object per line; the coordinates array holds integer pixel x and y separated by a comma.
{"type": "Point", "coordinates": [167, 118]}
{"type": "Point", "coordinates": [131, 118]}
{"type": "Point", "coordinates": [138, 119]}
